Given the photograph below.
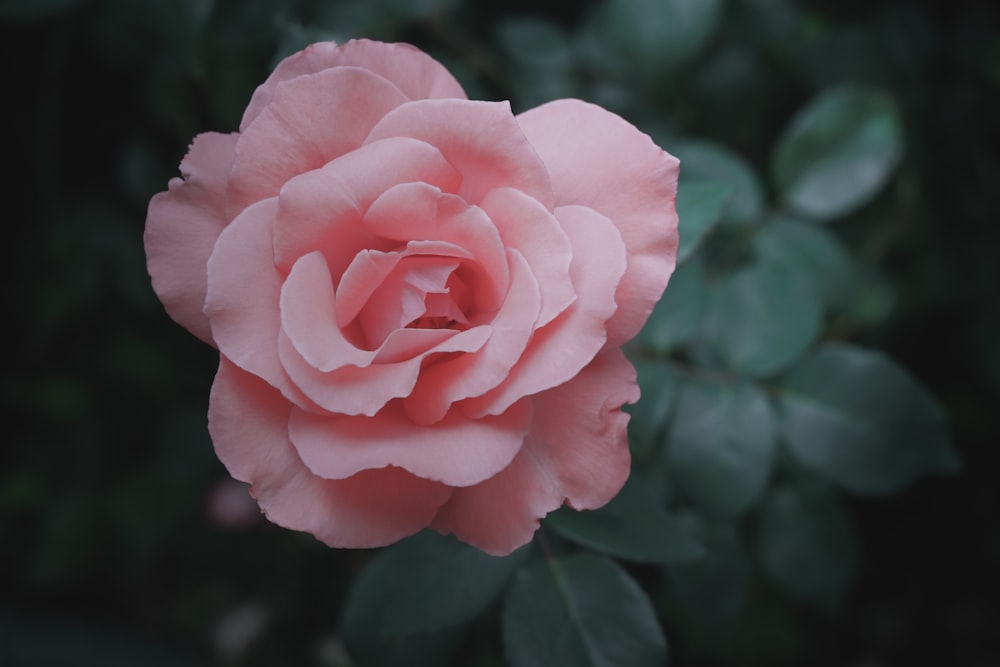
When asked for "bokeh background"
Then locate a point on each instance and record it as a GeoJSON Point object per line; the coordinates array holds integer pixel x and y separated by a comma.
{"type": "Point", "coordinates": [121, 542]}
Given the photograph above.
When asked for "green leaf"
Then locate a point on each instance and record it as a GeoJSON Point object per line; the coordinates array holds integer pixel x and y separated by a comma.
{"type": "Point", "coordinates": [721, 445]}
{"type": "Point", "coordinates": [447, 583]}
{"type": "Point", "coordinates": [708, 162]}
{"type": "Point", "coordinates": [838, 152]}
{"type": "Point", "coordinates": [408, 599]}
{"type": "Point", "coordinates": [444, 583]}
{"type": "Point", "coordinates": [676, 318]}
{"type": "Point", "coordinates": [813, 254]}
{"type": "Point", "coordinates": [699, 208]}
{"type": "Point", "coordinates": [635, 525]}
{"type": "Point", "coordinates": [659, 35]}
{"type": "Point", "coordinates": [708, 598]}
{"type": "Point", "coordinates": [580, 611]}
{"type": "Point", "coordinates": [760, 319]}
{"type": "Point", "coordinates": [858, 419]}
{"type": "Point", "coordinates": [807, 545]}
{"type": "Point", "coordinates": [660, 384]}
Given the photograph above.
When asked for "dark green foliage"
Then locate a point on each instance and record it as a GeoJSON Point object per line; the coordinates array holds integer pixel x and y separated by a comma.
{"type": "Point", "coordinates": [580, 610]}
{"type": "Point", "coordinates": [410, 604]}
{"type": "Point", "coordinates": [636, 526]}
{"type": "Point", "coordinates": [859, 420]}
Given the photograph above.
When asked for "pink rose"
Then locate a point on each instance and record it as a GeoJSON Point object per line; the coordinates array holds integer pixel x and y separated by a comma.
{"type": "Point", "coordinates": [418, 299]}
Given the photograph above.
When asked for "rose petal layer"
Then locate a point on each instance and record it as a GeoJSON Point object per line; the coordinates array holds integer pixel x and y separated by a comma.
{"type": "Point", "coordinates": [559, 350]}
{"type": "Point", "coordinates": [473, 374]}
{"type": "Point", "coordinates": [353, 390]}
{"type": "Point", "coordinates": [481, 139]}
{"type": "Point", "coordinates": [323, 209]}
{"type": "Point", "coordinates": [244, 289]}
{"type": "Point", "coordinates": [576, 452]}
{"type": "Point", "coordinates": [421, 211]}
{"type": "Point", "coordinates": [182, 225]}
{"type": "Point", "coordinates": [410, 69]}
{"type": "Point", "coordinates": [531, 229]}
{"type": "Point", "coordinates": [248, 421]}
{"type": "Point", "coordinates": [456, 451]}
{"type": "Point", "coordinates": [297, 132]}
{"type": "Point", "coordinates": [598, 159]}
{"type": "Point", "coordinates": [308, 315]}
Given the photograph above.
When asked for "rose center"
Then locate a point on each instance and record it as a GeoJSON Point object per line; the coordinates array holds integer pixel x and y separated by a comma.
{"type": "Point", "coordinates": [438, 322]}
{"type": "Point", "coordinates": [420, 292]}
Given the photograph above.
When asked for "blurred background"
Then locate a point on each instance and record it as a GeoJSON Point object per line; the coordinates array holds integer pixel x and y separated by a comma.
{"type": "Point", "coordinates": [123, 543]}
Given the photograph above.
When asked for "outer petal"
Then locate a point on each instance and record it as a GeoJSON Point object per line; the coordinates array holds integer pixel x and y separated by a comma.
{"type": "Point", "coordinates": [456, 451]}
{"type": "Point", "coordinates": [310, 121]}
{"type": "Point", "coordinates": [248, 421]}
{"type": "Point", "coordinates": [504, 512]}
{"type": "Point", "coordinates": [182, 225]}
{"type": "Point", "coordinates": [582, 433]}
{"type": "Point", "coordinates": [597, 159]}
{"type": "Point", "coordinates": [558, 351]}
{"type": "Point", "coordinates": [413, 71]}
{"type": "Point", "coordinates": [481, 139]}
{"type": "Point", "coordinates": [577, 451]}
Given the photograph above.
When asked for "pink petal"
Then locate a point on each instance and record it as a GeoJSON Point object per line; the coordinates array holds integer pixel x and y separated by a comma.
{"type": "Point", "coordinates": [504, 512]}
{"type": "Point", "coordinates": [472, 374]}
{"type": "Point", "coordinates": [402, 296]}
{"type": "Point", "coordinates": [248, 421]}
{"type": "Point", "coordinates": [311, 120]}
{"type": "Point", "coordinates": [559, 350]}
{"type": "Point", "coordinates": [349, 390]}
{"type": "Point", "coordinates": [421, 211]}
{"type": "Point", "coordinates": [407, 344]}
{"type": "Point", "coordinates": [373, 273]}
{"type": "Point", "coordinates": [182, 225]}
{"type": "Point", "coordinates": [481, 139]}
{"type": "Point", "coordinates": [411, 70]}
{"type": "Point", "coordinates": [415, 72]}
{"type": "Point", "coordinates": [577, 452]}
{"type": "Point", "coordinates": [364, 390]}
{"type": "Point", "coordinates": [367, 271]}
{"type": "Point", "coordinates": [530, 228]}
{"type": "Point", "coordinates": [308, 307]}
{"type": "Point", "coordinates": [307, 317]}
{"type": "Point", "coordinates": [243, 294]}
{"type": "Point", "coordinates": [600, 160]}
{"type": "Point", "coordinates": [455, 451]}
{"type": "Point", "coordinates": [582, 434]}
{"type": "Point", "coordinates": [323, 209]}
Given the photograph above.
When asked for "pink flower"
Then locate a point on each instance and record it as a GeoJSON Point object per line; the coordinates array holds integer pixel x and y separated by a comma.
{"type": "Point", "coordinates": [418, 299]}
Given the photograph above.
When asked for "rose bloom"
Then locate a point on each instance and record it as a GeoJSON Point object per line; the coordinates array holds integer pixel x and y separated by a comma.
{"type": "Point", "coordinates": [418, 300]}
